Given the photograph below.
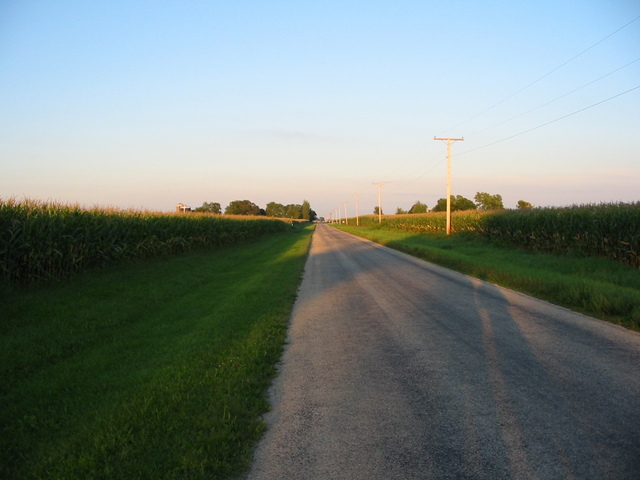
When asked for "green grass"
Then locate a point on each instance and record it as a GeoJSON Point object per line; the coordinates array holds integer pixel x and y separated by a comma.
{"type": "Point", "coordinates": [598, 287]}
{"type": "Point", "coordinates": [606, 230]}
{"type": "Point", "coordinates": [151, 370]}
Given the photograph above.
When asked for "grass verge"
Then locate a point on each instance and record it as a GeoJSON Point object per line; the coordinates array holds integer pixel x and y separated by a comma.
{"type": "Point", "coordinates": [597, 287]}
{"type": "Point", "coordinates": [153, 370]}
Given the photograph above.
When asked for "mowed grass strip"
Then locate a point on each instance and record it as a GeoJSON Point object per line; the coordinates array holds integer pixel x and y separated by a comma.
{"type": "Point", "coordinates": [153, 370]}
{"type": "Point", "coordinates": [598, 287]}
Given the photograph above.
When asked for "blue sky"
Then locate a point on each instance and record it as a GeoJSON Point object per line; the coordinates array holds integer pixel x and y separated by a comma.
{"type": "Point", "coordinates": [146, 104]}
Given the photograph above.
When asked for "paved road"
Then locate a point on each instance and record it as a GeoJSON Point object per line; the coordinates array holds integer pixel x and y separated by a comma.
{"type": "Point", "coordinates": [398, 369]}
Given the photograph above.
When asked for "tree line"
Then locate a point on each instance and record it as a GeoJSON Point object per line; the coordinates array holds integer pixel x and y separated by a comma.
{"type": "Point", "coordinates": [301, 211]}
{"type": "Point", "coordinates": [482, 201]}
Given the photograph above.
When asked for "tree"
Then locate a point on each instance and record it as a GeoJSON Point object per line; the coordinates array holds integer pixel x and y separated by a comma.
{"type": "Point", "coordinates": [242, 207]}
{"type": "Point", "coordinates": [457, 203]}
{"type": "Point", "coordinates": [487, 201]}
{"type": "Point", "coordinates": [375, 210]}
{"type": "Point", "coordinates": [209, 207]}
{"type": "Point", "coordinates": [275, 210]}
{"type": "Point", "coordinates": [462, 203]}
{"type": "Point", "coordinates": [399, 211]}
{"type": "Point", "coordinates": [418, 207]}
{"type": "Point", "coordinates": [293, 211]}
{"type": "Point", "coordinates": [441, 205]}
{"type": "Point", "coordinates": [522, 205]}
{"type": "Point", "coordinates": [306, 211]}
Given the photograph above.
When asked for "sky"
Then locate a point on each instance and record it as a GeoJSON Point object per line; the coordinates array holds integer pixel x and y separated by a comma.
{"type": "Point", "coordinates": [146, 104]}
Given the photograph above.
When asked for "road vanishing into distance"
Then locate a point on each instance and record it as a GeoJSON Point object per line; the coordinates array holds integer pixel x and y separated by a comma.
{"type": "Point", "coordinates": [399, 369]}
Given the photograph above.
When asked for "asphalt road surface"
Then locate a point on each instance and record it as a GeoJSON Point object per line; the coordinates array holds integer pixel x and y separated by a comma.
{"type": "Point", "coordinates": [399, 369]}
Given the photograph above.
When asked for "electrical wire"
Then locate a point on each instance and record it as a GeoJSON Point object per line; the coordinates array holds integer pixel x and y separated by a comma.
{"type": "Point", "coordinates": [543, 76]}
{"type": "Point", "coordinates": [555, 99]}
{"type": "Point", "coordinates": [437, 163]}
{"type": "Point", "coordinates": [433, 166]}
{"type": "Point", "coordinates": [550, 122]}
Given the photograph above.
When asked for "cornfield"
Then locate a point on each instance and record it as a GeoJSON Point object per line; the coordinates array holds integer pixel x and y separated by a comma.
{"type": "Point", "coordinates": [605, 230]}
{"type": "Point", "coordinates": [44, 240]}
{"type": "Point", "coordinates": [428, 223]}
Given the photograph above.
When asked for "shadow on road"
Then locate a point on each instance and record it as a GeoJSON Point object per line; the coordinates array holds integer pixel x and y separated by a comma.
{"type": "Point", "coordinates": [398, 368]}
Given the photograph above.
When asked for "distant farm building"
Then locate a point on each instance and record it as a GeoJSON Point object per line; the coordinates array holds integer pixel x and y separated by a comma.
{"type": "Point", "coordinates": [182, 208]}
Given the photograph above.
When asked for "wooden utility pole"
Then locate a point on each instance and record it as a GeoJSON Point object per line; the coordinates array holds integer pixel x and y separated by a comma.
{"type": "Point", "coordinates": [449, 142]}
{"type": "Point", "coordinates": [379, 201]}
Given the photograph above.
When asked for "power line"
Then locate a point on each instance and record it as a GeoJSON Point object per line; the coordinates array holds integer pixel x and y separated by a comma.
{"type": "Point", "coordinates": [555, 99]}
{"type": "Point", "coordinates": [550, 122]}
{"type": "Point", "coordinates": [402, 165]}
{"type": "Point", "coordinates": [437, 163]}
{"type": "Point", "coordinates": [544, 76]}
{"type": "Point", "coordinates": [431, 167]}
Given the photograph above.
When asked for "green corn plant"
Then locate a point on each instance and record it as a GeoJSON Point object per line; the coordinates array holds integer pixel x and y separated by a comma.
{"type": "Point", "coordinates": [606, 230]}
{"type": "Point", "coordinates": [46, 240]}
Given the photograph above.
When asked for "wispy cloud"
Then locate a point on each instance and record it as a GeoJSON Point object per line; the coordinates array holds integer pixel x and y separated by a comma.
{"type": "Point", "coordinates": [299, 136]}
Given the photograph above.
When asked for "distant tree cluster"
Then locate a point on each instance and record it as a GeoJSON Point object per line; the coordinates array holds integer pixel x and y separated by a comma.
{"type": "Point", "coordinates": [486, 201]}
{"type": "Point", "coordinates": [483, 201]}
{"type": "Point", "coordinates": [417, 207]}
{"type": "Point", "coordinates": [209, 207]}
{"type": "Point", "coordinates": [295, 211]}
{"type": "Point", "coordinates": [458, 202]}
{"type": "Point", "coordinates": [522, 205]}
{"type": "Point", "coordinates": [292, 210]}
{"type": "Point", "coordinates": [245, 207]}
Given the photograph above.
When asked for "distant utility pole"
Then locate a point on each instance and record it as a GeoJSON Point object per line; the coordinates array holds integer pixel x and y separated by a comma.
{"type": "Point", "coordinates": [379, 201]}
{"type": "Point", "coordinates": [357, 217]}
{"type": "Point", "coordinates": [346, 215]}
{"type": "Point", "coordinates": [449, 142]}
